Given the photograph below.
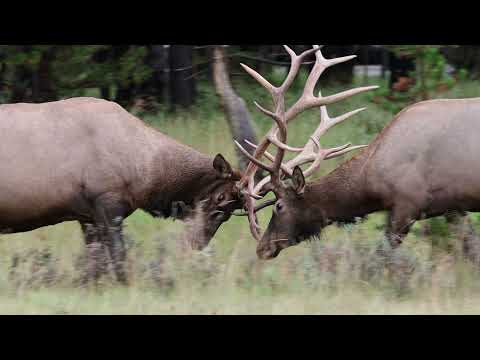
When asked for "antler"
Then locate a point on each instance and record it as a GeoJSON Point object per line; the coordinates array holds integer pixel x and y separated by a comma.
{"type": "Point", "coordinates": [312, 152]}
{"type": "Point", "coordinates": [278, 133]}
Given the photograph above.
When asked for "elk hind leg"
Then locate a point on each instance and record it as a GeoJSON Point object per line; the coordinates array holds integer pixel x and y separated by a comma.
{"type": "Point", "coordinates": [461, 224]}
{"type": "Point", "coordinates": [96, 253]}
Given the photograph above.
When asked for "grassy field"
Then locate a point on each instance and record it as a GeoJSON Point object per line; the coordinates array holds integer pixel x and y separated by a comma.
{"type": "Point", "coordinates": [340, 274]}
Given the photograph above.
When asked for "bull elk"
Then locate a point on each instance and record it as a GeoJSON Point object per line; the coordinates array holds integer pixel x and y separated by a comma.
{"type": "Point", "coordinates": [90, 160]}
{"type": "Point", "coordinates": [423, 164]}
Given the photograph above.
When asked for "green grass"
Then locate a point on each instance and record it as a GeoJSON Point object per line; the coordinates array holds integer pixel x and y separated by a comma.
{"type": "Point", "coordinates": [340, 274]}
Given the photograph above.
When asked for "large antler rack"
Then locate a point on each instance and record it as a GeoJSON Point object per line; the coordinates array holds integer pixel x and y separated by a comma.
{"type": "Point", "coordinates": [278, 133]}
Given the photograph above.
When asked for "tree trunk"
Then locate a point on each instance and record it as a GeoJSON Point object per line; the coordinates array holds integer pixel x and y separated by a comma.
{"type": "Point", "coordinates": [125, 92]}
{"type": "Point", "coordinates": [182, 84]}
{"type": "Point", "coordinates": [237, 114]}
{"type": "Point", "coordinates": [160, 77]}
{"type": "Point", "coordinates": [44, 86]}
{"type": "Point", "coordinates": [124, 95]}
{"type": "Point", "coordinates": [105, 92]}
{"type": "Point", "coordinates": [21, 82]}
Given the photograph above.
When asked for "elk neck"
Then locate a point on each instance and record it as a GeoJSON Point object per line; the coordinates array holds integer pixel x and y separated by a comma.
{"type": "Point", "coordinates": [177, 173]}
{"type": "Point", "coordinates": [342, 195]}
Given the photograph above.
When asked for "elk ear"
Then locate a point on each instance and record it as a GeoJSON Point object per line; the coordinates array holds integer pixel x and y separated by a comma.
{"type": "Point", "coordinates": [298, 180]}
{"type": "Point", "coordinates": [222, 166]}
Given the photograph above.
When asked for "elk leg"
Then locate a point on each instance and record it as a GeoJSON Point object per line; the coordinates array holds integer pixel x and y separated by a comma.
{"type": "Point", "coordinates": [109, 215]}
{"type": "Point", "coordinates": [400, 220]}
{"type": "Point", "coordinates": [96, 252]}
{"type": "Point", "coordinates": [117, 250]}
{"type": "Point", "coordinates": [460, 223]}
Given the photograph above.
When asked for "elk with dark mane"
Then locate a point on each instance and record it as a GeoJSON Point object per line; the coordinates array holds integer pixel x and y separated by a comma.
{"type": "Point", "coordinates": [89, 160]}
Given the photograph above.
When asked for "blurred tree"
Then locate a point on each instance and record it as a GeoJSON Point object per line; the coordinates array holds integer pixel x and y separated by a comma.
{"type": "Point", "coordinates": [157, 85]}
{"type": "Point", "coordinates": [182, 83]}
{"type": "Point", "coordinates": [236, 111]}
{"type": "Point", "coordinates": [464, 57]}
{"type": "Point", "coordinates": [43, 85]}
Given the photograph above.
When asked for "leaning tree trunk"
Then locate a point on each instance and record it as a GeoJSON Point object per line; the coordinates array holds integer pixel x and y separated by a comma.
{"type": "Point", "coordinates": [182, 85]}
{"type": "Point", "coordinates": [238, 116]}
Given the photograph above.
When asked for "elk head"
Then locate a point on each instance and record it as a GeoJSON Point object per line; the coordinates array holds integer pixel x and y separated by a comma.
{"type": "Point", "coordinates": [216, 203]}
{"type": "Point", "coordinates": [289, 225]}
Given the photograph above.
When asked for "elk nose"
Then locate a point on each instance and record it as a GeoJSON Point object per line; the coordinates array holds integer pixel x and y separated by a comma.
{"type": "Point", "coordinates": [267, 251]}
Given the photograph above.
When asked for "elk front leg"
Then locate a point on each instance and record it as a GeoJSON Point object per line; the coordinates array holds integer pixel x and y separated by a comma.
{"type": "Point", "coordinates": [109, 215]}
{"type": "Point", "coordinates": [400, 220]}
{"type": "Point", "coordinates": [96, 252]}
{"type": "Point", "coordinates": [116, 248]}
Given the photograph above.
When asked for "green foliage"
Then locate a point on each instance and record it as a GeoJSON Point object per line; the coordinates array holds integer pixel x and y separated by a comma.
{"type": "Point", "coordinates": [74, 68]}
{"type": "Point", "coordinates": [430, 69]}
{"type": "Point", "coordinates": [463, 74]}
{"type": "Point", "coordinates": [24, 55]}
{"type": "Point", "coordinates": [431, 80]}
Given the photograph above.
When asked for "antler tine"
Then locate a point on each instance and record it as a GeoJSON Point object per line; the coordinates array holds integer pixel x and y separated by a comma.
{"type": "Point", "coordinates": [252, 217]}
{"type": "Point", "coordinates": [304, 104]}
{"type": "Point", "coordinates": [339, 119]}
{"type": "Point", "coordinates": [266, 112]}
{"type": "Point", "coordinates": [326, 122]}
{"type": "Point", "coordinates": [296, 62]}
{"type": "Point", "coordinates": [273, 139]}
{"type": "Point", "coordinates": [320, 65]}
{"type": "Point", "coordinates": [344, 151]}
{"type": "Point", "coordinates": [252, 158]}
{"type": "Point", "coordinates": [260, 79]}
{"type": "Point", "coordinates": [259, 207]}
{"type": "Point", "coordinates": [270, 157]}
{"type": "Point", "coordinates": [342, 95]}
{"type": "Point", "coordinates": [322, 155]}
{"type": "Point", "coordinates": [308, 100]}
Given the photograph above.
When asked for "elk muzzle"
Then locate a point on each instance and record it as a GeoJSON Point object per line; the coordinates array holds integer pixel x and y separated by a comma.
{"type": "Point", "coordinates": [267, 250]}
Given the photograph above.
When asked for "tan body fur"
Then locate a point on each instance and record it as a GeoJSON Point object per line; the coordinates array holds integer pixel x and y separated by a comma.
{"type": "Point", "coordinates": [423, 164]}
{"type": "Point", "coordinates": [90, 160]}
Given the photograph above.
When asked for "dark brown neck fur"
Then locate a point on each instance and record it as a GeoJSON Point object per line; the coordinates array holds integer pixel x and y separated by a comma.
{"type": "Point", "coordinates": [180, 174]}
{"type": "Point", "coordinates": [342, 195]}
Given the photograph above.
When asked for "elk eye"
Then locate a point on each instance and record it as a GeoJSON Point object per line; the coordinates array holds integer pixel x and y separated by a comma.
{"type": "Point", "coordinates": [220, 197]}
{"type": "Point", "coordinates": [279, 206]}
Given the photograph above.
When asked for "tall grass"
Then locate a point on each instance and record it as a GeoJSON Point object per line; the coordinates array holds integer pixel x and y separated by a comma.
{"type": "Point", "coordinates": [342, 273]}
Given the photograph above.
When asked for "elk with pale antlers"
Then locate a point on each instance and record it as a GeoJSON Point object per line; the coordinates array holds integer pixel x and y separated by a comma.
{"type": "Point", "coordinates": [278, 133]}
{"type": "Point", "coordinates": [423, 164]}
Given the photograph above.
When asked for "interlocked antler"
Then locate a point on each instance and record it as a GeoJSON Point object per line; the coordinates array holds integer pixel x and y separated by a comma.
{"type": "Point", "coordinates": [278, 133]}
{"type": "Point", "coordinates": [312, 152]}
